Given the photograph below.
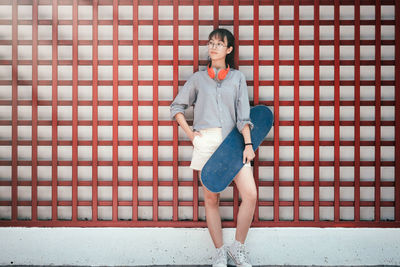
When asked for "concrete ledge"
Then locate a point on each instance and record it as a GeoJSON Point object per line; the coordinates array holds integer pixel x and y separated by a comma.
{"type": "Point", "coordinates": [193, 246]}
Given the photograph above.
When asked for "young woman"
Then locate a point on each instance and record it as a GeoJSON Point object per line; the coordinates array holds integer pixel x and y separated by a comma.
{"type": "Point", "coordinates": [220, 98]}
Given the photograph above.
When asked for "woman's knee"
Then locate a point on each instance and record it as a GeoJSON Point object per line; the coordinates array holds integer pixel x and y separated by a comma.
{"type": "Point", "coordinates": [250, 195]}
{"type": "Point", "coordinates": [211, 199]}
{"type": "Point", "coordinates": [246, 185]}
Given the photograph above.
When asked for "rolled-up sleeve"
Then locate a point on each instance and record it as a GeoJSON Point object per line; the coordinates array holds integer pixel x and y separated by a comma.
{"type": "Point", "coordinates": [243, 106]}
{"type": "Point", "coordinates": [185, 97]}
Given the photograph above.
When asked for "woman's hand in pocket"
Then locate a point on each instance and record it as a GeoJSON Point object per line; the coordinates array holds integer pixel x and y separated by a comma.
{"type": "Point", "coordinates": [193, 135]}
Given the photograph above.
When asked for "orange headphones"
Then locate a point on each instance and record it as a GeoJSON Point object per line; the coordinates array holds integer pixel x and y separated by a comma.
{"type": "Point", "coordinates": [221, 74]}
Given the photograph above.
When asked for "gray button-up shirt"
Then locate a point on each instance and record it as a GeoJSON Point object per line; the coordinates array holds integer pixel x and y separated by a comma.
{"type": "Point", "coordinates": [222, 104]}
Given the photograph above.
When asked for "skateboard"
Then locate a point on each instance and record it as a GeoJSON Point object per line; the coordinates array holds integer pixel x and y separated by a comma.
{"type": "Point", "coordinates": [227, 160]}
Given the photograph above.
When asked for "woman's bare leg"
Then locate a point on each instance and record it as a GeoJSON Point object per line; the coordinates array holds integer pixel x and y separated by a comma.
{"type": "Point", "coordinates": [211, 202]}
{"type": "Point", "coordinates": [244, 181]}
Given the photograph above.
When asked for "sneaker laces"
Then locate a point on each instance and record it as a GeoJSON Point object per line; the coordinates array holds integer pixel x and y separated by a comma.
{"type": "Point", "coordinates": [220, 256]}
{"type": "Point", "coordinates": [241, 254]}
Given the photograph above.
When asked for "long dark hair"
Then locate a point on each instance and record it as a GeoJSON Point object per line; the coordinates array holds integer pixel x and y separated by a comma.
{"type": "Point", "coordinates": [220, 33]}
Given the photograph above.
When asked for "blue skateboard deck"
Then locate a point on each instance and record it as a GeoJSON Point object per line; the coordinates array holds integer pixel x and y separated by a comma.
{"type": "Point", "coordinates": [223, 165]}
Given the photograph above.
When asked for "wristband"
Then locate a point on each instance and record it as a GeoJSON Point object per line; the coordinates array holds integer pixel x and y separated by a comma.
{"type": "Point", "coordinates": [248, 144]}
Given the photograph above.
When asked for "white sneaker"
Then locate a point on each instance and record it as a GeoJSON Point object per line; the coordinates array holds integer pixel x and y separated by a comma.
{"type": "Point", "coordinates": [237, 251]}
{"type": "Point", "coordinates": [219, 260]}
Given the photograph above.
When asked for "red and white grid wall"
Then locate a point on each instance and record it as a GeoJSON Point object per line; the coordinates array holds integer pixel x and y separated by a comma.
{"type": "Point", "coordinates": [85, 89]}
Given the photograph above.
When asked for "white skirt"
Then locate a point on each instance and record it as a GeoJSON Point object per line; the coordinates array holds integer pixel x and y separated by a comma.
{"type": "Point", "coordinates": [205, 145]}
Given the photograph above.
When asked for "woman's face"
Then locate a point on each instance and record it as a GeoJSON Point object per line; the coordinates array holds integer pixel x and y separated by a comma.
{"type": "Point", "coordinates": [217, 49]}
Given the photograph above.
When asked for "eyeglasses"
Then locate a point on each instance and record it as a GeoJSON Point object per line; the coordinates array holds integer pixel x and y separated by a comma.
{"type": "Point", "coordinates": [217, 45]}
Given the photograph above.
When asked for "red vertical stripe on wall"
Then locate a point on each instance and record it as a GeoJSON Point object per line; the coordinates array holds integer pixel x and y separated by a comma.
{"type": "Point", "coordinates": [377, 110]}
{"type": "Point", "coordinates": [276, 110]}
{"type": "Point", "coordinates": [296, 110]}
{"type": "Point", "coordinates": [357, 110]}
{"type": "Point", "coordinates": [115, 114]}
{"type": "Point", "coordinates": [54, 108]}
{"type": "Point", "coordinates": [175, 85]}
{"type": "Point", "coordinates": [75, 110]}
{"type": "Point", "coordinates": [216, 14]}
{"type": "Point", "coordinates": [14, 152]}
{"type": "Point", "coordinates": [135, 112]}
{"type": "Point", "coordinates": [316, 110]}
{"type": "Point", "coordinates": [337, 114]}
{"type": "Point", "coordinates": [397, 112]}
{"type": "Point", "coordinates": [155, 111]}
{"type": "Point", "coordinates": [95, 67]}
{"type": "Point", "coordinates": [34, 108]}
